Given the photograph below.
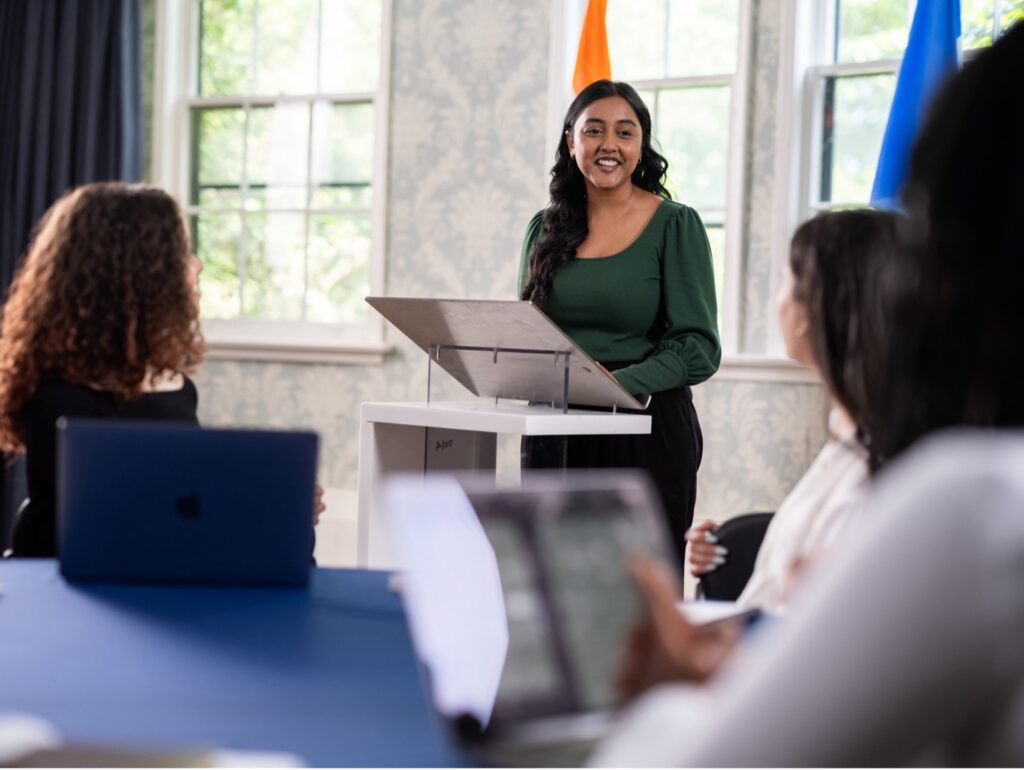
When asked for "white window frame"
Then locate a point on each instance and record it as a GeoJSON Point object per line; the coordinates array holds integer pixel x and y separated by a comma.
{"type": "Point", "coordinates": [566, 21]}
{"type": "Point", "coordinates": [820, 42]}
{"type": "Point", "coordinates": [804, 62]}
{"type": "Point", "coordinates": [806, 36]}
{"type": "Point", "coordinates": [177, 40]}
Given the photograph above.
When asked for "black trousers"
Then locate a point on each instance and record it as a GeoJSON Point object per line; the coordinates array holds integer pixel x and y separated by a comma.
{"type": "Point", "coordinates": [671, 454]}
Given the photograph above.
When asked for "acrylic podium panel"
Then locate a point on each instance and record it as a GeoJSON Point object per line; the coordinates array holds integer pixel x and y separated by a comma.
{"type": "Point", "coordinates": [504, 349]}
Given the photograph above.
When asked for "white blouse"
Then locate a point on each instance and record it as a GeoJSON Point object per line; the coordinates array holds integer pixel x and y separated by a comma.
{"type": "Point", "coordinates": [811, 519]}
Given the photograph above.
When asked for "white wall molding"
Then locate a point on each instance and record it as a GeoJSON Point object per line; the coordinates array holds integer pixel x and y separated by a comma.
{"type": "Point", "coordinates": [746, 368]}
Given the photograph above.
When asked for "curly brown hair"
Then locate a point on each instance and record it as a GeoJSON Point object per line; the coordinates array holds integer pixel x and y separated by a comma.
{"type": "Point", "coordinates": [101, 299]}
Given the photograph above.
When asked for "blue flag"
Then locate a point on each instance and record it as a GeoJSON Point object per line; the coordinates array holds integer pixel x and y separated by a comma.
{"type": "Point", "coordinates": [932, 55]}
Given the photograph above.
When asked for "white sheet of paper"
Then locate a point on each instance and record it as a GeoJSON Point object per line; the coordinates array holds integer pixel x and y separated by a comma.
{"type": "Point", "coordinates": [708, 611]}
{"type": "Point", "coordinates": [451, 589]}
{"type": "Point", "coordinates": [21, 734]}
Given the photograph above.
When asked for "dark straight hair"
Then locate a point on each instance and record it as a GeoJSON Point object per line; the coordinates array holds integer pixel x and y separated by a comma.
{"type": "Point", "coordinates": [564, 226]}
{"type": "Point", "coordinates": [837, 260]}
{"type": "Point", "coordinates": [956, 352]}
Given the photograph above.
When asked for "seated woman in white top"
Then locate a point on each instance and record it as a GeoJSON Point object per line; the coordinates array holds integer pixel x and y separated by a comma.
{"type": "Point", "coordinates": [830, 320]}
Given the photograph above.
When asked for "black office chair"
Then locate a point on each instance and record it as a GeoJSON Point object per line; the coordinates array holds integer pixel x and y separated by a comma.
{"type": "Point", "coordinates": [742, 535]}
{"type": "Point", "coordinates": [13, 494]}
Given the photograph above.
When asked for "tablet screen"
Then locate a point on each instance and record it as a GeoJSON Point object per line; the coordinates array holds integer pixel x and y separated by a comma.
{"type": "Point", "coordinates": [570, 601]}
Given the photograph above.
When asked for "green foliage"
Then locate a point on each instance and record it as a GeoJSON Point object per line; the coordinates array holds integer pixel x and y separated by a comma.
{"type": "Point", "coordinates": [286, 61]}
{"type": "Point", "coordinates": [225, 46]}
{"type": "Point", "coordinates": [216, 238]}
{"type": "Point", "coordinates": [872, 29]}
{"type": "Point", "coordinates": [264, 257]}
{"type": "Point", "coordinates": [977, 18]}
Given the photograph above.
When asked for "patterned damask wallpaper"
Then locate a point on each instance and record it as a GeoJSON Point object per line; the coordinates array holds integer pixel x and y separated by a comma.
{"type": "Point", "coordinates": [759, 281]}
{"type": "Point", "coordinates": [467, 171]}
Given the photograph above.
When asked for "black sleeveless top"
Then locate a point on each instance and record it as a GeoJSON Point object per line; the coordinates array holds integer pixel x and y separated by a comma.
{"type": "Point", "coordinates": [35, 532]}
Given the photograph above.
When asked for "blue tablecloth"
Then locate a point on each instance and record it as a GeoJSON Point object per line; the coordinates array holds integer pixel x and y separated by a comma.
{"type": "Point", "coordinates": [328, 674]}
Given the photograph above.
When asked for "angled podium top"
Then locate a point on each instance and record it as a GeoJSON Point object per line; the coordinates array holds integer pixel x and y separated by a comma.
{"type": "Point", "coordinates": [504, 349]}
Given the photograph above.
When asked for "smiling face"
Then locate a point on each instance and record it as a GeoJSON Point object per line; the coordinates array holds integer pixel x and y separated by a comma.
{"type": "Point", "coordinates": [606, 142]}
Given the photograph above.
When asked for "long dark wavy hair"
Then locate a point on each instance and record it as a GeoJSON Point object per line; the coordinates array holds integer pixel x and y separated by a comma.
{"type": "Point", "coordinates": [101, 299]}
{"type": "Point", "coordinates": [564, 226]}
{"type": "Point", "coordinates": [838, 260]}
{"type": "Point", "coordinates": [956, 353]}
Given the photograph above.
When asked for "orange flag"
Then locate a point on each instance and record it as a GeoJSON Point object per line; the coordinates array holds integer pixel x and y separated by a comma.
{"type": "Point", "coordinates": [592, 60]}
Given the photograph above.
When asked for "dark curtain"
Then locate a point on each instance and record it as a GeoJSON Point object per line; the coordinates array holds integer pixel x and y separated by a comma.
{"type": "Point", "coordinates": [69, 114]}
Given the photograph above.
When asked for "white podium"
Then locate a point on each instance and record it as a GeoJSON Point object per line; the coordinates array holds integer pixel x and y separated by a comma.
{"type": "Point", "coordinates": [419, 437]}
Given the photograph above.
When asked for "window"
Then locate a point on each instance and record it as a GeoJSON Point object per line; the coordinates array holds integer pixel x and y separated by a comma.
{"type": "Point", "coordinates": [852, 83]}
{"type": "Point", "coordinates": [688, 59]}
{"type": "Point", "coordinates": [279, 137]}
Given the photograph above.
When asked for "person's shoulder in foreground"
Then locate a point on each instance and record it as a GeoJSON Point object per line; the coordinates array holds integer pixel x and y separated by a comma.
{"type": "Point", "coordinates": [906, 649]}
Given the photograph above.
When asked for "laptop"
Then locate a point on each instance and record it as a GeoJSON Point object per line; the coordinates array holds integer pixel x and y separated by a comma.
{"type": "Point", "coordinates": [165, 503]}
{"type": "Point", "coordinates": [520, 602]}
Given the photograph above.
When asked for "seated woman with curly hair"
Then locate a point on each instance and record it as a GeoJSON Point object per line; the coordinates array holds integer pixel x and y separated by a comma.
{"type": "Point", "coordinates": [102, 321]}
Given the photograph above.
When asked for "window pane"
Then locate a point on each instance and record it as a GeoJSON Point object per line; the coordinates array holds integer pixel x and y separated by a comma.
{"type": "Point", "coordinates": [274, 266]}
{"type": "Point", "coordinates": [650, 99]}
{"type": "Point", "coordinates": [287, 45]}
{"type": "Point", "coordinates": [672, 38]}
{"type": "Point", "coordinates": [221, 197]}
{"type": "Point", "coordinates": [252, 165]}
{"type": "Point", "coordinates": [342, 196]}
{"type": "Point", "coordinates": [856, 111]}
{"type": "Point", "coordinates": [215, 238]}
{"type": "Point", "coordinates": [339, 264]}
{"type": "Point", "coordinates": [976, 18]}
{"type": "Point", "coordinates": [693, 132]}
{"type": "Point", "coordinates": [636, 44]}
{"type": "Point", "coordinates": [342, 154]}
{"type": "Point", "coordinates": [278, 156]}
{"type": "Point", "coordinates": [350, 51]}
{"type": "Point", "coordinates": [716, 237]}
{"type": "Point", "coordinates": [703, 36]}
{"type": "Point", "coordinates": [225, 46]}
{"type": "Point", "coordinates": [1013, 13]}
{"type": "Point", "coordinates": [873, 29]}
{"type": "Point", "coordinates": [217, 150]}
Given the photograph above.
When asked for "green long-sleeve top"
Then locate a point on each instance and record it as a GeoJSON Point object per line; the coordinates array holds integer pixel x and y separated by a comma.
{"type": "Point", "coordinates": [653, 303]}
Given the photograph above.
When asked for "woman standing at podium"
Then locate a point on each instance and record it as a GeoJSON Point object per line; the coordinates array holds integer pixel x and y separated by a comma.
{"type": "Point", "coordinates": [627, 273]}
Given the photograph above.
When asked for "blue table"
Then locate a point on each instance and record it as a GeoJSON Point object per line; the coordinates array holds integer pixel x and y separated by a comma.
{"type": "Point", "coordinates": [328, 674]}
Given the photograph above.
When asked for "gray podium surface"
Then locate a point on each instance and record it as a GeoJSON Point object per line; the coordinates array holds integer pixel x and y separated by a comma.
{"type": "Point", "coordinates": [504, 349]}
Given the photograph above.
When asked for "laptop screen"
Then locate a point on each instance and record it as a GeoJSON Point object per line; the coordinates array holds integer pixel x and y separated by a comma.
{"type": "Point", "coordinates": [550, 569]}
